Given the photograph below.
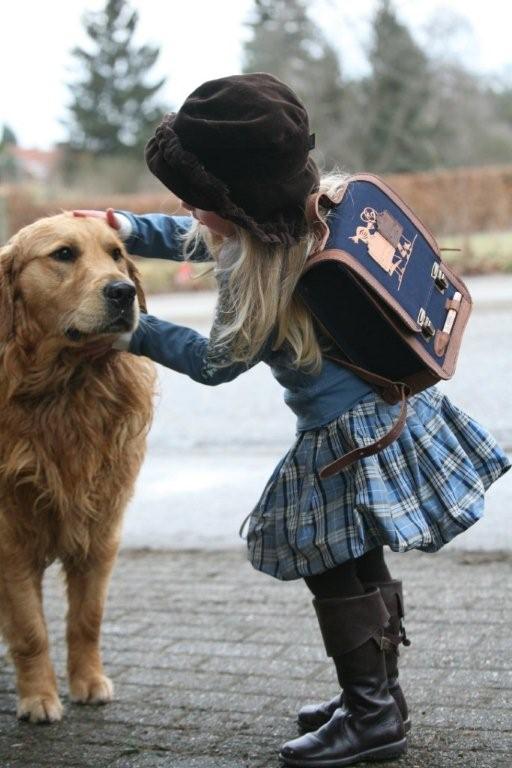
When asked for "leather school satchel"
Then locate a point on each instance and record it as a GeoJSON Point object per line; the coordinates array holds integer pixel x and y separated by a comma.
{"type": "Point", "coordinates": [380, 292]}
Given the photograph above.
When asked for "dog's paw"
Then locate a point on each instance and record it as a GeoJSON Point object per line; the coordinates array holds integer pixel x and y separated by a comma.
{"type": "Point", "coordinates": [95, 690]}
{"type": "Point", "coordinates": [42, 708]}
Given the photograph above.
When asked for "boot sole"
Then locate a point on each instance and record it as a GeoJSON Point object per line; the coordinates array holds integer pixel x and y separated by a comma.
{"type": "Point", "coordinates": [303, 729]}
{"type": "Point", "coordinates": [389, 752]}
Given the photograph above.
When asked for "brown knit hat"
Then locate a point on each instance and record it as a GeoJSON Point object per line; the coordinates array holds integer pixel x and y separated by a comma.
{"type": "Point", "coordinates": [239, 146]}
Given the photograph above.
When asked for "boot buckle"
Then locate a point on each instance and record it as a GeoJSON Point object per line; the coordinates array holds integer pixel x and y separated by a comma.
{"type": "Point", "coordinates": [386, 644]}
{"type": "Point", "coordinates": [405, 640]}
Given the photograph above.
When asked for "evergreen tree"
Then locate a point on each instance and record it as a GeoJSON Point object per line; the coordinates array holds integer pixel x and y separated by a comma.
{"type": "Point", "coordinates": [289, 45]}
{"type": "Point", "coordinates": [10, 170]}
{"type": "Point", "coordinates": [113, 108]}
{"type": "Point", "coordinates": [398, 128]}
{"type": "Point", "coordinates": [8, 137]}
{"type": "Point", "coordinates": [501, 95]}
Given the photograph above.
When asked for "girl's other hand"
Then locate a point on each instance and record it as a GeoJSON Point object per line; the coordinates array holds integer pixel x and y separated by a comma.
{"type": "Point", "coordinates": [211, 220]}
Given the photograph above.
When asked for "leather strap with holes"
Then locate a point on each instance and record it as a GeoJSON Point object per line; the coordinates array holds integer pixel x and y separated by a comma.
{"type": "Point", "coordinates": [389, 387]}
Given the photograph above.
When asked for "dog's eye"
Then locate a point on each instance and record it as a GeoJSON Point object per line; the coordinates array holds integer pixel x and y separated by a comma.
{"type": "Point", "coordinates": [64, 254]}
{"type": "Point", "coordinates": [116, 254]}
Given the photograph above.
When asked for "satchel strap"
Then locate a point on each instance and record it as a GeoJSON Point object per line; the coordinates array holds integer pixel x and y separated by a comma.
{"type": "Point", "coordinates": [315, 219]}
{"type": "Point", "coordinates": [369, 450]}
{"type": "Point", "coordinates": [391, 389]}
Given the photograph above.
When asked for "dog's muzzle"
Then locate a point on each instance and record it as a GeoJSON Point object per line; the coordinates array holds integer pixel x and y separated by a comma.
{"type": "Point", "coordinates": [120, 315]}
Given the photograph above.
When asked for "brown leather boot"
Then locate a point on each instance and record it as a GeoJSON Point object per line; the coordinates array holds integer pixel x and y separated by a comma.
{"type": "Point", "coordinates": [313, 716]}
{"type": "Point", "coordinates": [370, 726]}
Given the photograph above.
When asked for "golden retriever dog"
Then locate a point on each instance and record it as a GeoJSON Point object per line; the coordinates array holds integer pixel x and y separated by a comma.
{"type": "Point", "coordinates": [74, 414]}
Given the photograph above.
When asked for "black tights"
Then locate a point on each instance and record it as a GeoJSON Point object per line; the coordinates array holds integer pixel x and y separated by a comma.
{"type": "Point", "coordinates": [349, 579]}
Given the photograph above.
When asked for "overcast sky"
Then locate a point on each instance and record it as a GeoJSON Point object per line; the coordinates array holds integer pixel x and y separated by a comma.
{"type": "Point", "coordinates": [200, 40]}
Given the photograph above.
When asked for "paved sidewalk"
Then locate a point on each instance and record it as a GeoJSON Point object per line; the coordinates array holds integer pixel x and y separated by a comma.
{"type": "Point", "coordinates": [211, 660]}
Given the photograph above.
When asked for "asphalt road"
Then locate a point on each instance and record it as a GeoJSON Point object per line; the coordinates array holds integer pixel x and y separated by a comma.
{"type": "Point", "coordinates": [212, 449]}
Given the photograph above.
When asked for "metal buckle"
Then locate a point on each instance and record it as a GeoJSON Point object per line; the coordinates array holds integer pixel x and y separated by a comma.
{"type": "Point", "coordinates": [405, 640]}
{"type": "Point", "coordinates": [439, 277]}
{"type": "Point", "coordinates": [428, 329]}
{"type": "Point", "coordinates": [427, 326]}
{"type": "Point", "coordinates": [386, 644]}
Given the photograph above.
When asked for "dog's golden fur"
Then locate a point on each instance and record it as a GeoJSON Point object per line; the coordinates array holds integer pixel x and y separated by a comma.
{"type": "Point", "coordinates": [74, 415]}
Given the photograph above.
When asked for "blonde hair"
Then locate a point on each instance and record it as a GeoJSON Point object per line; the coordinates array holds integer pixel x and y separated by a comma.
{"type": "Point", "coordinates": [257, 292]}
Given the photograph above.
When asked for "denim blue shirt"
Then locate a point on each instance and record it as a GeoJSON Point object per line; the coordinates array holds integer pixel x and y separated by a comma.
{"type": "Point", "coordinates": [316, 399]}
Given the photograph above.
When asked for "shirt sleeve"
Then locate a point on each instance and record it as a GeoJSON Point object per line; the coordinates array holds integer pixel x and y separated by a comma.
{"type": "Point", "coordinates": [185, 350]}
{"type": "Point", "coordinates": [158, 236]}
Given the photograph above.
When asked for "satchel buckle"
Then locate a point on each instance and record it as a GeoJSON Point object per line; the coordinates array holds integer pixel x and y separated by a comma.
{"type": "Point", "coordinates": [427, 326]}
{"type": "Point", "coordinates": [439, 277]}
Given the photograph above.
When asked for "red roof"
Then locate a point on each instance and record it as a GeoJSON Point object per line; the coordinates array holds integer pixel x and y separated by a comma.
{"type": "Point", "coordinates": [37, 163]}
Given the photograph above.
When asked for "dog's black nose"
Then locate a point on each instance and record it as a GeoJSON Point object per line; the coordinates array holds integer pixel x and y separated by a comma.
{"type": "Point", "coordinates": [120, 293]}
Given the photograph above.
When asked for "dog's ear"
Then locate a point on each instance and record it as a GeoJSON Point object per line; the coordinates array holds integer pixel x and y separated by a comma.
{"type": "Point", "coordinates": [135, 276]}
{"type": "Point", "coordinates": [7, 254]}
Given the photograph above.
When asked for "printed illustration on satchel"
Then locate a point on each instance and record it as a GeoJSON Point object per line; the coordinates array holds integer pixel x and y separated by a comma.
{"type": "Point", "coordinates": [385, 240]}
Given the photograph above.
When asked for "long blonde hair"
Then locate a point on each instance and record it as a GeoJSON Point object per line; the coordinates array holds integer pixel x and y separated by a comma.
{"type": "Point", "coordinates": [257, 292]}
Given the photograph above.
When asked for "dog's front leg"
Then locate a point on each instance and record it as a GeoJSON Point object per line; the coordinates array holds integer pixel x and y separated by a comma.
{"type": "Point", "coordinates": [24, 629]}
{"type": "Point", "coordinates": [87, 591]}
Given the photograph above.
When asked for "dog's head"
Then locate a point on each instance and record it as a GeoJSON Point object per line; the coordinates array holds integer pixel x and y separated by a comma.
{"type": "Point", "coordinates": [68, 277]}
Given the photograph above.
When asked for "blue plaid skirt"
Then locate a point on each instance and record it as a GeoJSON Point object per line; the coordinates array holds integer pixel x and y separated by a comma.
{"type": "Point", "coordinates": [418, 493]}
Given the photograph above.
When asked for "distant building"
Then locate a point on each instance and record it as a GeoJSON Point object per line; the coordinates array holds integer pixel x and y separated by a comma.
{"type": "Point", "coordinates": [31, 164]}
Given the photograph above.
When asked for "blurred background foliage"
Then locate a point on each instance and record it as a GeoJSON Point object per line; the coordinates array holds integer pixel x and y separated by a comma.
{"type": "Point", "coordinates": [442, 132]}
{"type": "Point", "coordinates": [414, 110]}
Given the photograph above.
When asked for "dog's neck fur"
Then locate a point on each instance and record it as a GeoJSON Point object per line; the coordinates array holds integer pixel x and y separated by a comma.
{"type": "Point", "coordinates": [50, 365]}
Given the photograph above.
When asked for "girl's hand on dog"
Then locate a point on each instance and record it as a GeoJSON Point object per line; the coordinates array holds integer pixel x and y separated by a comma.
{"type": "Point", "coordinates": [109, 216]}
{"type": "Point", "coordinates": [114, 220]}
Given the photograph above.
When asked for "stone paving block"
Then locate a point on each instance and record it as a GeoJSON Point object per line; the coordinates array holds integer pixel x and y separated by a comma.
{"type": "Point", "coordinates": [464, 717]}
{"type": "Point", "coordinates": [444, 637]}
{"type": "Point", "coordinates": [162, 760]}
{"type": "Point", "coordinates": [144, 639]}
{"type": "Point", "coordinates": [124, 628]}
{"type": "Point", "coordinates": [186, 631]}
{"type": "Point", "coordinates": [499, 679]}
{"type": "Point", "coordinates": [268, 667]}
{"type": "Point", "coordinates": [155, 712]}
{"type": "Point", "coordinates": [25, 751]}
{"type": "Point", "coordinates": [308, 690]}
{"type": "Point", "coordinates": [7, 703]}
{"type": "Point", "coordinates": [204, 699]}
{"type": "Point", "coordinates": [449, 759]}
{"type": "Point", "coordinates": [300, 653]}
{"type": "Point", "coordinates": [152, 695]}
{"type": "Point", "coordinates": [462, 660]}
{"type": "Point", "coordinates": [251, 747]}
{"type": "Point", "coordinates": [490, 741]}
{"type": "Point", "coordinates": [487, 618]}
{"type": "Point", "coordinates": [472, 696]}
{"type": "Point", "coordinates": [164, 660]}
{"type": "Point", "coordinates": [229, 650]}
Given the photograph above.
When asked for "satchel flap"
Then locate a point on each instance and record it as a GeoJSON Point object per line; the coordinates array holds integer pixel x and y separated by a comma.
{"type": "Point", "coordinates": [395, 261]}
{"type": "Point", "coordinates": [373, 226]}
{"type": "Point", "coordinates": [391, 249]}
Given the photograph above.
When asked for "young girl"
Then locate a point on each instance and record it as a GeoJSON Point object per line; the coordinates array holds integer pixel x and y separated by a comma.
{"type": "Point", "coordinates": [237, 154]}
